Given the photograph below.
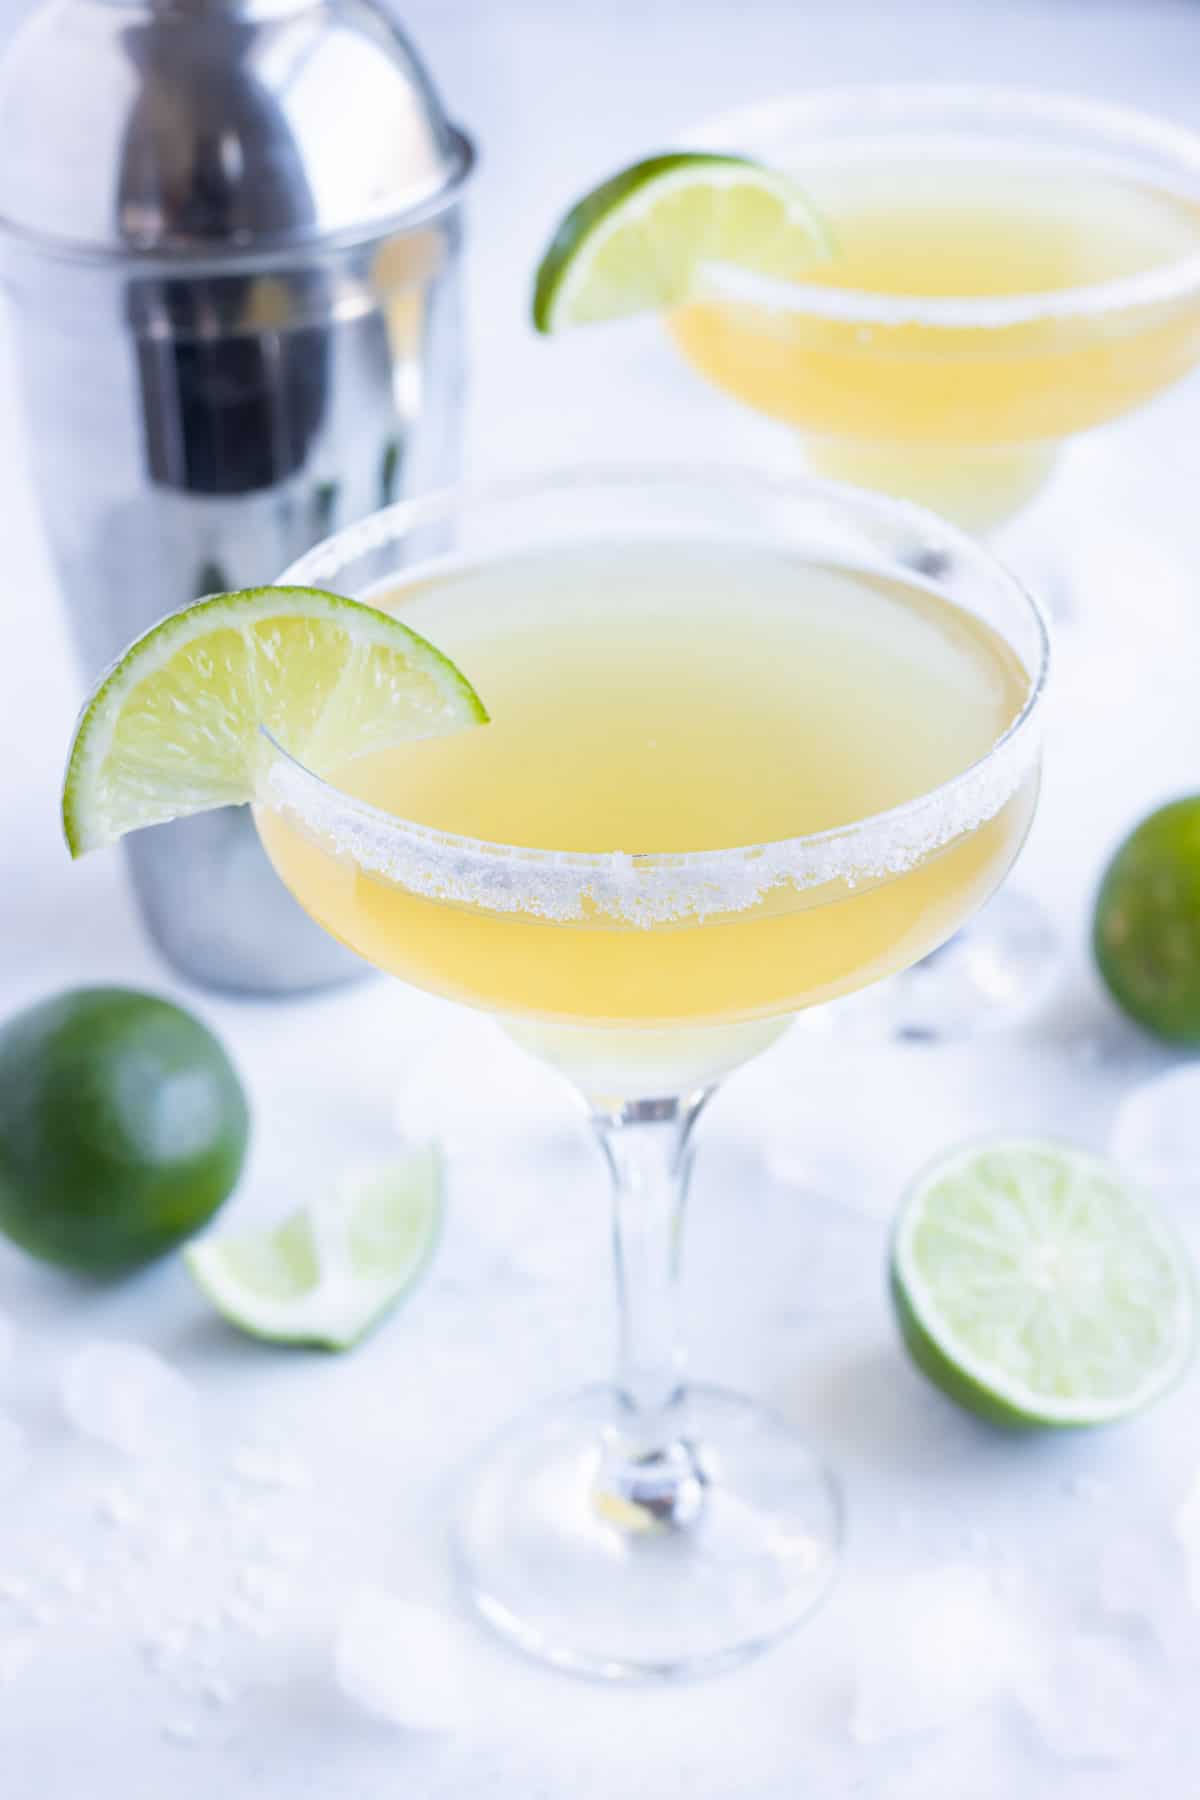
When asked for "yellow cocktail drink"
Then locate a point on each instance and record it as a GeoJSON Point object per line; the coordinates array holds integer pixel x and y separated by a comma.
{"type": "Point", "coordinates": [976, 311]}
{"type": "Point", "coordinates": [674, 699]}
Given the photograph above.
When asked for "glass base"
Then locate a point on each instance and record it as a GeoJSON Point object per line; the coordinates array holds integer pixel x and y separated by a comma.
{"type": "Point", "coordinates": [597, 1585]}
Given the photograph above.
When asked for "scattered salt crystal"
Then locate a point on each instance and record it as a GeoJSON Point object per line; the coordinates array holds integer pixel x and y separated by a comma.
{"type": "Point", "coordinates": [68, 1574]}
{"type": "Point", "coordinates": [163, 1643]}
{"type": "Point", "coordinates": [215, 1691]}
{"type": "Point", "coordinates": [180, 1731]}
{"type": "Point", "coordinates": [1088, 1487]}
{"type": "Point", "coordinates": [118, 1507]}
{"type": "Point", "coordinates": [42, 1616]}
{"type": "Point", "coordinates": [14, 1588]}
{"type": "Point", "coordinates": [1187, 1530]}
{"type": "Point", "coordinates": [282, 1546]}
{"type": "Point", "coordinates": [175, 1536]}
{"type": "Point", "coordinates": [954, 1643]}
{"type": "Point", "coordinates": [263, 1468]}
{"type": "Point", "coordinates": [15, 1456]}
{"type": "Point", "coordinates": [16, 1653]}
{"type": "Point", "coordinates": [1156, 1133]}
{"type": "Point", "coordinates": [263, 1584]}
{"type": "Point", "coordinates": [125, 1396]}
{"type": "Point", "coordinates": [8, 1338]}
{"type": "Point", "coordinates": [1089, 1701]}
{"type": "Point", "coordinates": [402, 1662]}
{"type": "Point", "coordinates": [245, 1615]}
{"type": "Point", "coordinates": [1134, 1584]}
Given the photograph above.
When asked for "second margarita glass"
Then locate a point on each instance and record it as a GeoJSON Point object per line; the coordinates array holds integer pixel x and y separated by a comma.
{"type": "Point", "coordinates": [1010, 269]}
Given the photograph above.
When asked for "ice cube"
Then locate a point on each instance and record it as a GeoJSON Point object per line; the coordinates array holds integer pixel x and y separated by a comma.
{"type": "Point", "coordinates": [1135, 1582]}
{"type": "Point", "coordinates": [1187, 1530]}
{"type": "Point", "coordinates": [118, 1507]}
{"type": "Point", "coordinates": [260, 1466]}
{"type": "Point", "coordinates": [180, 1731]}
{"type": "Point", "coordinates": [14, 1453]}
{"type": "Point", "coordinates": [954, 1642]}
{"type": "Point", "coordinates": [66, 1571]}
{"type": "Point", "coordinates": [1156, 1133]}
{"type": "Point", "coordinates": [126, 1396]}
{"type": "Point", "coordinates": [1089, 1700]}
{"type": "Point", "coordinates": [402, 1662]}
{"type": "Point", "coordinates": [945, 1768]}
{"type": "Point", "coordinates": [216, 1691]}
{"type": "Point", "coordinates": [1091, 1488]}
{"type": "Point", "coordinates": [16, 1653]}
{"type": "Point", "coordinates": [801, 1160]}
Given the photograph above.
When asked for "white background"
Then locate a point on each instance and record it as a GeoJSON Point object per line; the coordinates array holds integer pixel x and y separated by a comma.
{"type": "Point", "coordinates": [785, 1290]}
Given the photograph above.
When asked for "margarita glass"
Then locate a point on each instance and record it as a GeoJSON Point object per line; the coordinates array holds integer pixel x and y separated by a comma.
{"type": "Point", "coordinates": [740, 759]}
{"type": "Point", "coordinates": [1008, 269]}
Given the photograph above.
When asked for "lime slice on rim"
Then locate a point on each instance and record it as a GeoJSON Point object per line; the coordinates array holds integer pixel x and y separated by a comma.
{"type": "Point", "coordinates": [330, 1271]}
{"type": "Point", "coordinates": [1035, 1287]}
{"type": "Point", "coordinates": [640, 241]}
{"type": "Point", "coordinates": [173, 728]}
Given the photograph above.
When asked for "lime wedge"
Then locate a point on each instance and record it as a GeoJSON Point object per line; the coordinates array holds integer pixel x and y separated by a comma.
{"type": "Point", "coordinates": [330, 1271]}
{"type": "Point", "coordinates": [640, 241]}
{"type": "Point", "coordinates": [1036, 1288]}
{"type": "Point", "coordinates": [173, 727]}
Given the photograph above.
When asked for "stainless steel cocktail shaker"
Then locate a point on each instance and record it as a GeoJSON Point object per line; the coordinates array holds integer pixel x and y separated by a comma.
{"type": "Point", "coordinates": [232, 235]}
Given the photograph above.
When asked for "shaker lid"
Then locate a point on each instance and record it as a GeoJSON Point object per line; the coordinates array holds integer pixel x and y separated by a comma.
{"type": "Point", "coordinates": [204, 129]}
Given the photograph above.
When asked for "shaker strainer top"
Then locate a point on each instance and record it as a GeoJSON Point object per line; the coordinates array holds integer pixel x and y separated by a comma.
{"type": "Point", "coordinates": [184, 129]}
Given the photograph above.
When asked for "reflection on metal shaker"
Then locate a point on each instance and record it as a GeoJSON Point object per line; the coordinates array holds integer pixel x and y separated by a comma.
{"type": "Point", "coordinates": [237, 330]}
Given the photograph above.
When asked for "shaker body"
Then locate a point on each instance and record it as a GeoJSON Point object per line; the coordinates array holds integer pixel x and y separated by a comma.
{"type": "Point", "coordinates": [194, 431]}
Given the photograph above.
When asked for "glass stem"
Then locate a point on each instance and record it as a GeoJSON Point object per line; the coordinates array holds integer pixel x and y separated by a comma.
{"type": "Point", "coordinates": [650, 1477]}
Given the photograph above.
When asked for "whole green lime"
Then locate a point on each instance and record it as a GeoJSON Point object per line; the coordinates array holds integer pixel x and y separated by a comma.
{"type": "Point", "coordinates": [123, 1127]}
{"type": "Point", "coordinates": [1146, 930]}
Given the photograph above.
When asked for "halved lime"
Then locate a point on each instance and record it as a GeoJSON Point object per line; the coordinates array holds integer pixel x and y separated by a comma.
{"type": "Point", "coordinates": [1035, 1287]}
{"type": "Point", "coordinates": [639, 242]}
{"type": "Point", "coordinates": [173, 728]}
{"type": "Point", "coordinates": [330, 1271]}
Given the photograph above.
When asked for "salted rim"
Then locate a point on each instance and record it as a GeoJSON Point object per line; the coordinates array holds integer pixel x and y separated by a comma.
{"type": "Point", "coordinates": [781, 126]}
{"type": "Point", "coordinates": [652, 889]}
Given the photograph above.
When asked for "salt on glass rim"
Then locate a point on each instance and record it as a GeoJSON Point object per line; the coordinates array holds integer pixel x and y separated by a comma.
{"type": "Point", "coordinates": [650, 889]}
{"type": "Point", "coordinates": [784, 127]}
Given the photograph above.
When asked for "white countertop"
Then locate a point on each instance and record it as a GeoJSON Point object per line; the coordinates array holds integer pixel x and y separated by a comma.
{"type": "Point", "coordinates": [784, 1289]}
